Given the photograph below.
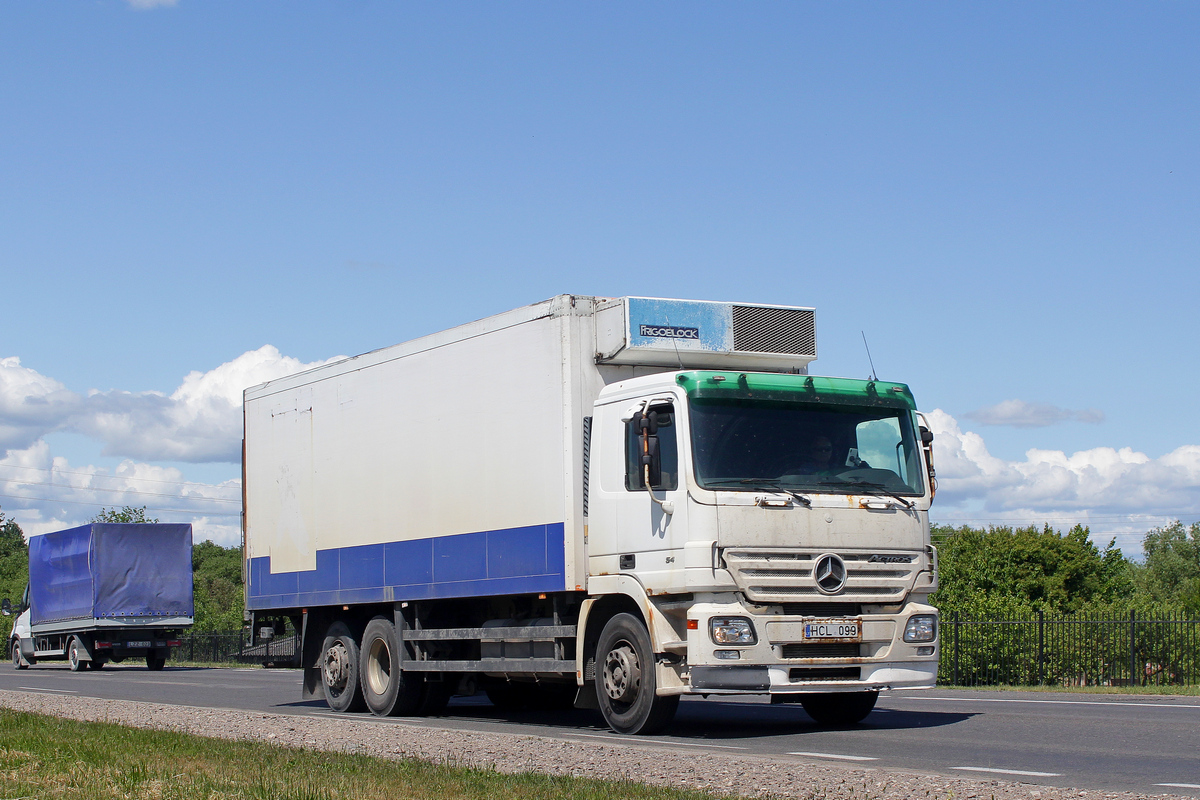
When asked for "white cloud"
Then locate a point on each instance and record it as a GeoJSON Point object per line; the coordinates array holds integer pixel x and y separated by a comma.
{"type": "Point", "coordinates": [44, 493]}
{"type": "Point", "coordinates": [1020, 414]}
{"type": "Point", "coordinates": [1120, 492]}
{"type": "Point", "coordinates": [201, 421]}
{"type": "Point", "coordinates": [31, 405]}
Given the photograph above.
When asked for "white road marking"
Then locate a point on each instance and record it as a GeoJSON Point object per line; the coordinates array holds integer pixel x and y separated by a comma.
{"type": "Point", "coordinates": [642, 740]}
{"type": "Point", "coordinates": [1012, 772]}
{"type": "Point", "coordinates": [52, 691]}
{"type": "Point", "coordinates": [1054, 702]}
{"type": "Point", "coordinates": [838, 756]}
{"type": "Point", "coordinates": [1180, 785]}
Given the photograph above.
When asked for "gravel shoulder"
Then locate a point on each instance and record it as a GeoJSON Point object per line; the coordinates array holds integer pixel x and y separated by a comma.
{"type": "Point", "coordinates": [722, 774]}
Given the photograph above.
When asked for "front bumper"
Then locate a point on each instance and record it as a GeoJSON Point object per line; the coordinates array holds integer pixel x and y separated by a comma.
{"type": "Point", "coordinates": [782, 663]}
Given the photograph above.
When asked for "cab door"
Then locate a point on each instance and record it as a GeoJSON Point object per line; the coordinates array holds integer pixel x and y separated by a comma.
{"type": "Point", "coordinates": [632, 530]}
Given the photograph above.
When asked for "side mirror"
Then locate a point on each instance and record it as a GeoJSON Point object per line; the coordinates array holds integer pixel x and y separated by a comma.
{"type": "Point", "coordinates": [649, 459]}
{"type": "Point", "coordinates": [6, 607]}
{"type": "Point", "coordinates": [927, 446]}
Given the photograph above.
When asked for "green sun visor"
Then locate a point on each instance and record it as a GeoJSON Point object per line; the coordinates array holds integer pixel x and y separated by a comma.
{"type": "Point", "coordinates": [792, 388]}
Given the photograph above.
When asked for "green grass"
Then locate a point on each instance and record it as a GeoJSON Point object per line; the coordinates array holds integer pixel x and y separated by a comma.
{"type": "Point", "coordinates": [45, 757]}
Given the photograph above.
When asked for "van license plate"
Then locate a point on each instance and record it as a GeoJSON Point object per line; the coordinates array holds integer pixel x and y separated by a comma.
{"type": "Point", "coordinates": [839, 630]}
{"type": "Point", "coordinates": [139, 644]}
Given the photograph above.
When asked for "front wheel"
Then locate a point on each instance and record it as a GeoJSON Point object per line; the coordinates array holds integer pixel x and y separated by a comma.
{"type": "Point", "coordinates": [625, 679]}
{"type": "Point", "coordinates": [73, 656]}
{"type": "Point", "coordinates": [839, 708]}
{"type": "Point", "coordinates": [18, 660]}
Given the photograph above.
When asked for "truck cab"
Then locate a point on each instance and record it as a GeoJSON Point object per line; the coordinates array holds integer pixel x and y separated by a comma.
{"type": "Point", "coordinates": [20, 644]}
{"type": "Point", "coordinates": [783, 534]}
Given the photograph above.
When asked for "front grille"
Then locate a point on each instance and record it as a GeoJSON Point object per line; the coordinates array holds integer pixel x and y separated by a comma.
{"type": "Point", "coordinates": [773, 576]}
{"type": "Point", "coordinates": [824, 674]}
{"type": "Point", "coordinates": [774, 330]}
{"type": "Point", "coordinates": [821, 650]}
{"type": "Point", "coordinates": [822, 609]}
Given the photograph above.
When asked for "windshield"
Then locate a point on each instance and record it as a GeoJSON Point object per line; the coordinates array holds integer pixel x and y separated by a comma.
{"type": "Point", "coordinates": [746, 444]}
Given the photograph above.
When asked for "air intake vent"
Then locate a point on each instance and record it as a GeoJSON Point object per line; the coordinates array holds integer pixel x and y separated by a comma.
{"type": "Point", "coordinates": [821, 650]}
{"type": "Point", "coordinates": [774, 330]}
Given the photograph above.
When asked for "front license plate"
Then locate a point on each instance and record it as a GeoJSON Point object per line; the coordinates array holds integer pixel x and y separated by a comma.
{"type": "Point", "coordinates": [840, 630]}
{"type": "Point", "coordinates": [139, 644]}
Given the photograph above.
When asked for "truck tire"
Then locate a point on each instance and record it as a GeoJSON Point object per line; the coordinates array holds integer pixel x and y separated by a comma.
{"type": "Point", "coordinates": [839, 708]}
{"type": "Point", "coordinates": [626, 681]}
{"type": "Point", "coordinates": [155, 662]}
{"type": "Point", "coordinates": [387, 691]}
{"type": "Point", "coordinates": [18, 660]}
{"type": "Point", "coordinates": [339, 670]}
{"type": "Point", "coordinates": [96, 663]}
{"type": "Point", "coordinates": [73, 658]}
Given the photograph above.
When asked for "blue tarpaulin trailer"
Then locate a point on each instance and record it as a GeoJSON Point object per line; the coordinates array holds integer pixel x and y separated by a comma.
{"type": "Point", "coordinates": [106, 592]}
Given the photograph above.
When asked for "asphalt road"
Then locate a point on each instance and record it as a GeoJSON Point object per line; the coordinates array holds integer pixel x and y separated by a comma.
{"type": "Point", "coordinates": [1140, 744]}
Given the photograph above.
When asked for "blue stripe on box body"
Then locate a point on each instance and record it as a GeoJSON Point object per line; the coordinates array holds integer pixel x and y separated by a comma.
{"type": "Point", "coordinates": [509, 561]}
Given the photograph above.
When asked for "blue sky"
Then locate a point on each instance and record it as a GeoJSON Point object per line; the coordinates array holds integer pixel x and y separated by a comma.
{"type": "Point", "coordinates": [1005, 199]}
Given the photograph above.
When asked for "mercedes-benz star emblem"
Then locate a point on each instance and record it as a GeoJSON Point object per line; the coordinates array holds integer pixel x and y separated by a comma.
{"type": "Point", "coordinates": [830, 574]}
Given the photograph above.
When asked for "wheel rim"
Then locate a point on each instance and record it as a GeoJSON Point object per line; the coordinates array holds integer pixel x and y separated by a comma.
{"type": "Point", "coordinates": [379, 666]}
{"type": "Point", "coordinates": [336, 667]}
{"type": "Point", "coordinates": [73, 655]}
{"type": "Point", "coordinates": [622, 673]}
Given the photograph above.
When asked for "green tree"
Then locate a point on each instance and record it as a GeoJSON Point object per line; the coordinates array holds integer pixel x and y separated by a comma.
{"type": "Point", "coordinates": [125, 514]}
{"type": "Point", "coordinates": [217, 582]}
{"type": "Point", "coordinates": [1171, 570]}
{"type": "Point", "coordinates": [1048, 570]}
{"type": "Point", "coordinates": [14, 567]}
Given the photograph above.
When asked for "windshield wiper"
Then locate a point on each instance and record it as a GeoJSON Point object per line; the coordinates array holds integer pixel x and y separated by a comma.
{"type": "Point", "coordinates": [875, 489]}
{"type": "Point", "coordinates": [763, 483]}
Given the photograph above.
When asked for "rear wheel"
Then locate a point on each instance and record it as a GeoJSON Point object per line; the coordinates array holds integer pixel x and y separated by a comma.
{"type": "Point", "coordinates": [18, 660]}
{"type": "Point", "coordinates": [625, 679]}
{"type": "Point", "coordinates": [839, 708]}
{"type": "Point", "coordinates": [339, 669]}
{"type": "Point", "coordinates": [386, 690]}
{"type": "Point", "coordinates": [96, 663]}
{"type": "Point", "coordinates": [74, 656]}
{"type": "Point", "coordinates": [155, 662]}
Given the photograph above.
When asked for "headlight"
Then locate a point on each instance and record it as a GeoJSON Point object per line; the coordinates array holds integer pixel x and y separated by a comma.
{"type": "Point", "coordinates": [921, 628]}
{"type": "Point", "coordinates": [732, 630]}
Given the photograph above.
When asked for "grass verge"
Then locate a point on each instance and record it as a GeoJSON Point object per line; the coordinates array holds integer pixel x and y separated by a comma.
{"type": "Point", "coordinates": [47, 757]}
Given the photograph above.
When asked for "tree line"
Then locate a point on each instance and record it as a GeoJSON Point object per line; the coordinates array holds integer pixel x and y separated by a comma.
{"type": "Point", "coordinates": [1014, 572]}
{"type": "Point", "coordinates": [994, 571]}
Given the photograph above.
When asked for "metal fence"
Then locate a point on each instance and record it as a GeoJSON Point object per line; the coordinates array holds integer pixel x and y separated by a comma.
{"type": "Point", "coordinates": [1073, 651]}
{"type": "Point", "coordinates": [233, 647]}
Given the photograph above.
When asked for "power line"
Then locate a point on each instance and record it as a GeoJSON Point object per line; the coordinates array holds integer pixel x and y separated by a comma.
{"type": "Point", "coordinates": [103, 505]}
{"type": "Point", "coordinates": [120, 491]}
{"type": "Point", "coordinates": [112, 477]}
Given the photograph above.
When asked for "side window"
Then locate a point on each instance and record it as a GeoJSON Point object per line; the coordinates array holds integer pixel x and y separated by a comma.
{"type": "Point", "coordinates": [881, 446]}
{"type": "Point", "coordinates": [667, 448]}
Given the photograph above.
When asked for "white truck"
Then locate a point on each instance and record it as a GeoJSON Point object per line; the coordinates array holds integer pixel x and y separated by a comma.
{"type": "Point", "coordinates": [610, 502]}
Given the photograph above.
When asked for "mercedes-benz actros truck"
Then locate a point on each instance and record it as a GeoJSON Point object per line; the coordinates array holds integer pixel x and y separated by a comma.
{"type": "Point", "coordinates": [605, 502]}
